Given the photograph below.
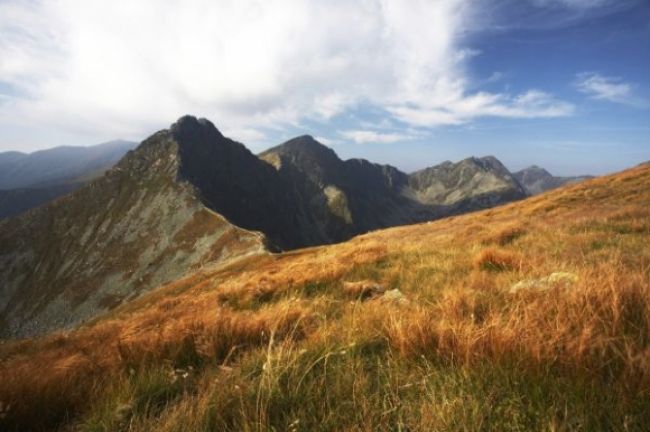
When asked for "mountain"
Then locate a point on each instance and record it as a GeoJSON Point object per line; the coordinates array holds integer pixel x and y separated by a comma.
{"type": "Point", "coordinates": [16, 201]}
{"type": "Point", "coordinates": [467, 185]}
{"type": "Point", "coordinates": [356, 196]}
{"type": "Point", "coordinates": [188, 197]}
{"type": "Point", "coordinates": [59, 165]}
{"type": "Point", "coordinates": [31, 180]}
{"type": "Point", "coordinates": [537, 180]}
{"type": "Point", "coordinates": [139, 225]}
{"type": "Point", "coordinates": [342, 198]}
{"type": "Point", "coordinates": [531, 316]}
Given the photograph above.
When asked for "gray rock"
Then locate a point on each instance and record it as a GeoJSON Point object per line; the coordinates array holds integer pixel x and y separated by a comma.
{"type": "Point", "coordinates": [554, 280]}
{"type": "Point", "coordinates": [395, 296]}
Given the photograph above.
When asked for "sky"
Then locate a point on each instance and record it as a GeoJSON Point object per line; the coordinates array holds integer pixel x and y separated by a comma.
{"type": "Point", "coordinates": [563, 84]}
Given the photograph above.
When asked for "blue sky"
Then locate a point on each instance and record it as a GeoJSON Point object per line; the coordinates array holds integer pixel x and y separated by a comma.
{"type": "Point", "coordinates": [559, 83]}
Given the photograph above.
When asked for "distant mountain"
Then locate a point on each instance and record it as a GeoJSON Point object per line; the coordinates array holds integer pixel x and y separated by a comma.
{"type": "Point", "coordinates": [537, 180]}
{"type": "Point", "coordinates": [16, 201]}
{"type": "Point", "coordinates": [189, 197]}
{"type": "Point", "coordinates": [31, 180]}
{"type": "Point", "coordinates": [59, 165]}
{"type": "Point", "coordinates": [467, 185]}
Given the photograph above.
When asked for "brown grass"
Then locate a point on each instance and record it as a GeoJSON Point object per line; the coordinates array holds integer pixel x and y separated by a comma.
{"type": "Point", "coordinates": [503, 236]}
{"type": "Point", "coordinates": [494, 259]}
{"type": "Point", "coordinates": [456, 277]}
{"type": "Point", "coordinates": [363, 289]}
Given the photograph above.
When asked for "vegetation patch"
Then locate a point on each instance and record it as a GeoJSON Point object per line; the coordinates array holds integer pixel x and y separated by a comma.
{"type": "Point", "coordinates": [497, 260]}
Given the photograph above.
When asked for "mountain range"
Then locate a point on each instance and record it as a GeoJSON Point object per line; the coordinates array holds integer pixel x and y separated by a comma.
{"type": "Point", "coordinates": [531, 316]}
{"type": "Point", "coordinates": [189, 197]}
{"type": "Point", "coordinates": [30, 180]}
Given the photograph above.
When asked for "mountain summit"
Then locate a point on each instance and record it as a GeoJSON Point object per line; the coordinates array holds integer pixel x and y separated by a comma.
{"type": "Point", "coordinates": [189, 197]}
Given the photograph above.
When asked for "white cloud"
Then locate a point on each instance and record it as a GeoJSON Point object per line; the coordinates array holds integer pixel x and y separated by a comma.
{"type": "Point", "coordinates": [127, 68]}
{"type": "Point", "coordinates": [374, 137]}
{"type": "Point", "coordinates": [612, 89]}
{"type": "Point", "coordinates": [461, 108]}
{"type": "Point", "coordinates": [574, 4]}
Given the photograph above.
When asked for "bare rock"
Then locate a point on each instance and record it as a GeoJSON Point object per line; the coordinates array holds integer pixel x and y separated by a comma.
{"type": "Point", "coordinates": [395, 296]}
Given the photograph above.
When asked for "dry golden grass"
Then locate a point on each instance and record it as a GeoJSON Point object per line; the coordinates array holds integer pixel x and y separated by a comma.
{"type": "Point", "coordinates": [456, 314]}
{"type": "Point", "coordinates": [494, 259]}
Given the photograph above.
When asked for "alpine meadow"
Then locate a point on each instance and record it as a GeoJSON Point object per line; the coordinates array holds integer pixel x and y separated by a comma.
{"type": "Point", "coordinates": [367, 215]}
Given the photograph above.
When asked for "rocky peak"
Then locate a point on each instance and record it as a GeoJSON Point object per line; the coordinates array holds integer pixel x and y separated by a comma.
{"type": "Point", "coordinates": [189, 126]}
{"type": "Point", "coordinates": [533, 173]}
{"type": "Point", "coordinates": [306, 155]}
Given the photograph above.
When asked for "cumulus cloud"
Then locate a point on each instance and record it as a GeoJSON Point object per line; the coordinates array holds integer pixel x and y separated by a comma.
{"type": "Point", "coordinates": [461, 108]}
{"type": "Point", "coordinates": [126, 68]}
{"type": "Point", "coordinates": [612, 89]}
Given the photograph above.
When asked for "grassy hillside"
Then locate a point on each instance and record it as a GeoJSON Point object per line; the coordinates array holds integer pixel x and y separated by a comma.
{"type": "Point", "coordinates": [479, 337]}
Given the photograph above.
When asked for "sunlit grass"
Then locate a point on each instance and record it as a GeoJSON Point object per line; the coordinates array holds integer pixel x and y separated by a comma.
{"type": "Point", "coordinates": [283, 343]}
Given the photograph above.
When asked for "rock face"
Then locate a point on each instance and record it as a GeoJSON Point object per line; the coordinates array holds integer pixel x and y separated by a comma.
{"type": "Point", "coordinates": [30, 180]}
{"type": "Point", "coordinates": [188, 197]}
{"type": "Point", "coordinates": [537, 180]}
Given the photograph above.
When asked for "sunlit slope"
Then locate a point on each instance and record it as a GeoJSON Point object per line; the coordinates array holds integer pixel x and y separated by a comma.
{"type": "Point", "coordinates": [530, 316]}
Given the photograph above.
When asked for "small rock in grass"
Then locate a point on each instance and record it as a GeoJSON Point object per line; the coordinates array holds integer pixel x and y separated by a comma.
{"type": "Point", "coordinates": [554, 280]}
{"type": "Point", "coordinates": [395, 296]}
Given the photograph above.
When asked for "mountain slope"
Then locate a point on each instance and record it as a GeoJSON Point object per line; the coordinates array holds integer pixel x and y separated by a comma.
{"type": "Point", "coordinates": [347, 197]}
{"type": "Point", "coordinates": [537, 180]}
{"type": "Point", "coordinates": [306, 339]}
{"type": "Point", "coordinates": [139, 225]}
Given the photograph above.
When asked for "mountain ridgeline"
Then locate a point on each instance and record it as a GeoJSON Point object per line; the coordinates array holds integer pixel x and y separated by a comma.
{"type": "Point", "coordinates": [30, 180]}
{"type": "Point", "coordinates": [189, 197]}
